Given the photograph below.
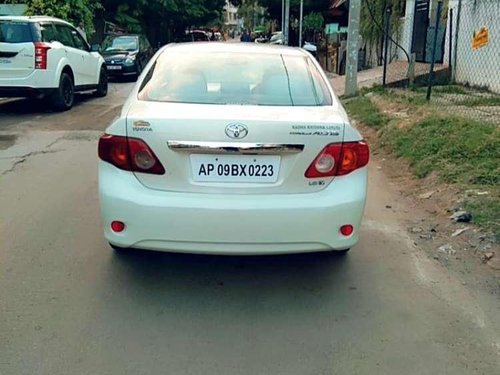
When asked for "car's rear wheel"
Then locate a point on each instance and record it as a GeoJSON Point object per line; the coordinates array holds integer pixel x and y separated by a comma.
{"type": "Point", "coordinates": [64, 96]}
{"type": "Point", "coordinates": [102, 87]}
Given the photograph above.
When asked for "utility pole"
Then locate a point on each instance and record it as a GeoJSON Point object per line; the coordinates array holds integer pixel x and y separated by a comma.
{"type": "Point", "coordinates": [301, 20]}
{"type": "Point", "coordinates": [351, 71]}
{"type": "Point", "coordinates": [282, 16]}
{"type": "Point", "coordinates": [287, 20]}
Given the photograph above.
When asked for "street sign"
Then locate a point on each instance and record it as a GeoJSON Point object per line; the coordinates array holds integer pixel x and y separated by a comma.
{"type": "Point", "coordinates": [480, 38]}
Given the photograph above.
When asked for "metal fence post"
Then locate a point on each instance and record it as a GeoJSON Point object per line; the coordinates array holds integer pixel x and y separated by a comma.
{"type": "Point", "coordinates": [450, 42]}
{"type": "Point", "coordinates": [411, 69]}
{"type": "Point", "coordinates": [434, 45]}
{"type": "Point", "coordinates": [387, 20]}
{"type": "Point", "coordinates": [455, 50]}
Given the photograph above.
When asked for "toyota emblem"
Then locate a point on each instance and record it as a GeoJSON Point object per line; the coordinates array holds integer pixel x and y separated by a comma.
{"type": "Point", "coordinates": [236, 131]}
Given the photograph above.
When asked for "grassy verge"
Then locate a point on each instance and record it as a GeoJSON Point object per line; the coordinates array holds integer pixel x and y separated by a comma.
{"type": "Point", "coordinates": [484, 101]}
{"type": "Point", "coordinates": [365, 111]}
{"type": "Point", "coordinates": [458, 150]}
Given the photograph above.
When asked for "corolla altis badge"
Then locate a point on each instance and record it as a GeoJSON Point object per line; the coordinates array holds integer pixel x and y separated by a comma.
{"type": "Point", "coordinates": [236, 131]}
{"type": "Point", "coordinates": [142, 126]}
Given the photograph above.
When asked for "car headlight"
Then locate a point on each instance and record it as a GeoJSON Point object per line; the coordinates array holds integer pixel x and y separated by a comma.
{"type": "Point", "coordinates": [130, 61]}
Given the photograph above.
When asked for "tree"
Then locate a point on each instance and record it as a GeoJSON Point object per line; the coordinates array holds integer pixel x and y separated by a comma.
{"type": "Point", "coordinates": [314, 21]}
{"type": "Point", "coordinates": [74, 11]}
{"type": "Point", "coordinates": [372, 22]}
{"type": "Point", "coordinates": [160, 20]}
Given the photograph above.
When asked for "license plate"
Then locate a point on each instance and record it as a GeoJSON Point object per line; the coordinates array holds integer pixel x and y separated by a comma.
{"type": "Point", "coordinates": [235, 168]}
{"type": "Point", "coordinates": [112, 67]}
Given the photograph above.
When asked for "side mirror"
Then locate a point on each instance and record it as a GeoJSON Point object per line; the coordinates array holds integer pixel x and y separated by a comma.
{"type": "Point", "coordinates": [95, 48]}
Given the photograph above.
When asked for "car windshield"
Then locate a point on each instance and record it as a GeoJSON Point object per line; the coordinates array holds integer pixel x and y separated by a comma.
{"type": "Point", "coordinates": [15, 32]}
{"type": "Point", "coordinates": [121, 43]}
{"type": "Point", "coordinates": [235, 78]}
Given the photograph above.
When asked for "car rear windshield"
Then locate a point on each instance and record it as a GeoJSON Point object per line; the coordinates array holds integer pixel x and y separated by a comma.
{"type": "Point", "coordinates": [235, 78]}
{"type": "Point", "coordinates": [15, 32]}
{"type": "Point", "coordinates": [121, 43]}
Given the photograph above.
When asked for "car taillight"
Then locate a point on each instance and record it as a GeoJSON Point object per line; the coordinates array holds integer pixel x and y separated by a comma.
{"type": "Point", "coordinates": [338, 159]}
{"type": "Point", "coordinates": [41, 53]}
{"type": "Point", "coordinates": [129, 154]}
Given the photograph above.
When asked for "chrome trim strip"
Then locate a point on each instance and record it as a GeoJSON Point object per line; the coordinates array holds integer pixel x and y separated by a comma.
{"type": "Point", "coordinates": [235, 147]}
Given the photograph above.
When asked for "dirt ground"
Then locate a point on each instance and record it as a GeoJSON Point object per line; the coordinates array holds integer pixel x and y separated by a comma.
{"type": "Point", "coordinates": [460, 247]}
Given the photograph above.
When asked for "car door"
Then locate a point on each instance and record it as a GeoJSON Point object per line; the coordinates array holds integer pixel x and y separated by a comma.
{"type": "Point", "coordinates": [91, 61]}
{"type": "Point", "coordinates": [76, 57]}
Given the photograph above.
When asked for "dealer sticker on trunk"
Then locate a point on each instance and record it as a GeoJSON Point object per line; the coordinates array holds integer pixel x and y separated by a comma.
{"type": "Point", "coordinates": [235, 168]}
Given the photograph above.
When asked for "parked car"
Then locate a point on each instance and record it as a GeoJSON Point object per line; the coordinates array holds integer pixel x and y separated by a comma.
{"type": "Point", "coordinates": [126, 55]}
{"type": "Point", "coordinates": [256, 157]}
{"type": "Point", "coordinates": [193, 36]}
{"type": "Point", "coordinates": [311, 48]}
{"type": "Point", "coordinates": [46, 57]}
{"type": "Point", "coordinates": [277, 38]}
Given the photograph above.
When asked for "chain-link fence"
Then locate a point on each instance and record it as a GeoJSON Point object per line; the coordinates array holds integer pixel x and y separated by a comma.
{"type": "Point", "coordinates": [461, 37]}
{"type": "Point", "coordinates": [472, 51]}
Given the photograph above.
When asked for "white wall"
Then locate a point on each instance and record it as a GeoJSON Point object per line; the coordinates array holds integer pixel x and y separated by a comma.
{"type": "Point", "coordinates": [406, 30]}
{"type": "Point", "coordinates": [479, 67]}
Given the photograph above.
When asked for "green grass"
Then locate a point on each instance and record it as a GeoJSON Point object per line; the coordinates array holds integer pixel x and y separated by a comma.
{"type": "Point", "coordinates": [450, 89]}
{"type": "Point", "coordinates": [362, 109]}
{"type": "Point", "coordinates": [481, 101]}
{"type": "Point", "coordinates": [459, 150]}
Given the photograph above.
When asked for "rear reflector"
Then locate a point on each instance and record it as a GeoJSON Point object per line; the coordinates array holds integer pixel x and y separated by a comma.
{"type": "Point", "coordinates": [41, 55]}
{"type": "Point", "coordinates": [346, 230]}
{"type": "Point", "coordinates": [129, 154]}
{"type": "Point", "coordinates": [338, 159]}
{"type": "Point", "coordinates": [117, 226]}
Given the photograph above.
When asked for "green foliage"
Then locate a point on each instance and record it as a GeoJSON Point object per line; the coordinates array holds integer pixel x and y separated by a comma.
{"type": "Point", "coordinates": [460, 150]}
{"type": "Point", "coordinates": [481, 101]}
{"type": "Point", "coordinates": [450, 89]}
{"type": "Point", "coordinates": [160, 19]}
{"type": "Point", "coordinates": [372, 19]}
{"type": "Point", "coordinates": [75, 11]}
{"type": "Point", "coordinates": [314, 21]}
{"type": "Point", "coordinates": [274, 7]}
{"type": "Point", "coordinates": [362, 109]}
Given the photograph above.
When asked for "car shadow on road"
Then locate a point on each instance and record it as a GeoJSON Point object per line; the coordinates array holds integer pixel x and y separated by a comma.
{"type": "Point", "coordinates": [26, 106]}
{"type": "Point", "coordinates": [237, 275]}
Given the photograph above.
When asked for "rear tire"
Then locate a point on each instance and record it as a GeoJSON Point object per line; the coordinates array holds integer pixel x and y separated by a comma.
{"type": "Point", "coordinates": [64, 96]}
{"type": "Point", "coordinates": [102, 86]}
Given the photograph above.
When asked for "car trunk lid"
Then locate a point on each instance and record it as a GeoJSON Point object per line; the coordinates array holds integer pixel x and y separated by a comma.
{"type": "Point", "coordinates": [231, 148]}
{"type": "Point", "coordinates": [17, 50]}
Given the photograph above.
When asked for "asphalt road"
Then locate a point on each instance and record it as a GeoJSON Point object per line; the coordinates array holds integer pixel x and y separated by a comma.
{"type": "Point", "coordinates": [70, 305]}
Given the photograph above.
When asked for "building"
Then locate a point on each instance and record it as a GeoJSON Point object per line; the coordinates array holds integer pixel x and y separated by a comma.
{"type": "Point", "coordinates": [472, 65]}
{"type": "Point", "coordinates": [475, 43]}
{"type": "Point", "coordinates": [230, 16]}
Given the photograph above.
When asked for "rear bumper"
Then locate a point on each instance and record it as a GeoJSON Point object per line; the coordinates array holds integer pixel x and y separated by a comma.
{"type": "Point", "coordinates": [230, 224]}
{"type": "Point", "coordinates": [37, 82]}
{"type": "Point", "coordinates": [124, 71]}
{"type": "Point", "coordinates": [18, 92]}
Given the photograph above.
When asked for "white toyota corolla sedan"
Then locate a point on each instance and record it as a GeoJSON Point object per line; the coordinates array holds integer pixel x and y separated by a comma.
{"type": "Point", "coordinates": [232, 149]}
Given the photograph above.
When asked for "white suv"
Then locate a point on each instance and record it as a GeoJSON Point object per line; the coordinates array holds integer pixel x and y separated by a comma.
{"type": "Point", "coordinates": [45, 57]}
